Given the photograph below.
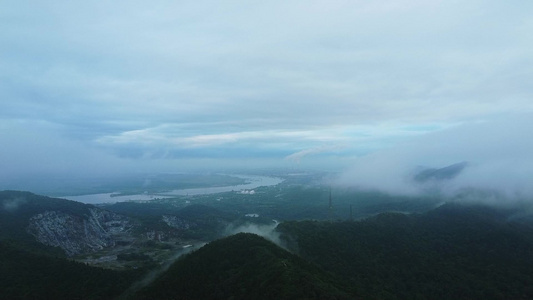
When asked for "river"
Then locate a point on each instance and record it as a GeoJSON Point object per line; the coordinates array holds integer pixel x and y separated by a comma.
{"type": "Point", "coordinates": [253, 181]}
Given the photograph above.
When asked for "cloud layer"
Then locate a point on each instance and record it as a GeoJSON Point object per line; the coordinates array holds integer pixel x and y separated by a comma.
{"type": "Point", "coordinates": [498, 152]}
{"type": "Point", "coordinates": [129, 85]}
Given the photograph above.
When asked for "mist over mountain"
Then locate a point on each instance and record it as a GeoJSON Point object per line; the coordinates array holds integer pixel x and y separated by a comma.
{"type": "Point", "coordinates": [229, 86]}
{"type": "Point", "coordinates": [446, 173]}
{"type": "Point", "coordinates": [397, 135]}
{"type": "Point", "coordinates": [497, 152]}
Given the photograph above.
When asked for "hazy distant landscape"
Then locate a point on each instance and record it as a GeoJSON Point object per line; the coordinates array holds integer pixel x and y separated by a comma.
{"type": "Point", "coordinates": [342, 243]}
{"type": "Point", "coordinates": [266, 150]}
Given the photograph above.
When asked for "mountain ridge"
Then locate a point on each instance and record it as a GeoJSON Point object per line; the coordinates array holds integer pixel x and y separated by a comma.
{"type": "Point", "coordinates": [244, 266]}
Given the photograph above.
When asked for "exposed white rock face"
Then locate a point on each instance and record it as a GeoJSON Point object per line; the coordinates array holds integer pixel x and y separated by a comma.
{"type": "Point", "coordinates": [78, 234]}
{"type": "Point", "coordinates": [111, 222]}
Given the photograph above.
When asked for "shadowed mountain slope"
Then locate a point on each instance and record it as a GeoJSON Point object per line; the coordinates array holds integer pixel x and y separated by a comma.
{"type": "Point", "coordinates": [28, 275]}
{"type": "Point", "coordinates": [445, 173]}
{"type": "Point", "coordinates": [452, 252]}
{"type": "Point", "coordinates": [244, 266]}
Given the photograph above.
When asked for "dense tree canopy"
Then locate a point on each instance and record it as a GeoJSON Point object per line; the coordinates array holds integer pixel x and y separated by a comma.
{"type": "Point", "coordinates": [26, 275]}
{"type": "Point", "coordinates": [454, 252]}
{"type": "Point", "coordinates": [245, 266]}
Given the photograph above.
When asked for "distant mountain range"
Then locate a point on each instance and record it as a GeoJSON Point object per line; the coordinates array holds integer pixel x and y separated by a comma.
{"type": "Point", "coordinates": [446, 173]}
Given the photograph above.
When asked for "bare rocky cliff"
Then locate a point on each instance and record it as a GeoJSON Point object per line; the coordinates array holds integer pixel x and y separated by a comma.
{"type": "Point", "coordinates": [77, 234]}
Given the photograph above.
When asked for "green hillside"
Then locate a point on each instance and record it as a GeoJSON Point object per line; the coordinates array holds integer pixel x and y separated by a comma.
{"type": "Point", "coordinates": [244, 266]}
{"type": "Point", "coordinates": [27, 275]}
{"type": "Point", "coordinates": [453, 252]}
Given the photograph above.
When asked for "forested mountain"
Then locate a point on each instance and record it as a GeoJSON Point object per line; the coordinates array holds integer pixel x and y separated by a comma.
{"type": "Point", "coordinates": [27, 275]}
{"type": "Point", "coordinates": [245, 266]}
{"type": "Point", "coordinates": [452, 252]}
{"type": "Point", "coordinates": [455, 251]}
{"type": "Point", "coordinates": [71, 227]}
{"type": "Point", "coordinates": [195, 221]}
{"type": "Point", "coordinates": [445, 173]}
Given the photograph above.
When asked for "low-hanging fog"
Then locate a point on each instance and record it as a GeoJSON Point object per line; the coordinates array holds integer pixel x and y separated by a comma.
{"type": "Point", "coordinates": [268, 231]}
{"type": "Point", "coordinates": [498, 156]}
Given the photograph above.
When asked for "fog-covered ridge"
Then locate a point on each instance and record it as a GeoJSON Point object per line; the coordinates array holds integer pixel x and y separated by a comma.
{"type": "Point", "coordinates": [495, 156]}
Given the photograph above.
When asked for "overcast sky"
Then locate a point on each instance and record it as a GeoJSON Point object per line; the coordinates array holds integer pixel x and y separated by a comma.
{"type": "Point", "coordinates": [90, 87]}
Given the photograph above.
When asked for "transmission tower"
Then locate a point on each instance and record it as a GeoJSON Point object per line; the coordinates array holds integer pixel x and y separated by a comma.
{"type": "Point", "coordinates": [330, 210]}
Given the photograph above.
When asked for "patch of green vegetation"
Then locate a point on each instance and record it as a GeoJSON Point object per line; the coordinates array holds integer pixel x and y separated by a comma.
{"type": "Point", "coordinates": [133, 257]}
{"type": "Point", "coordinates": [27, 275]}
{"type": "Point", "coordinates": [287, 201]}
{"type": "Point", "coordinates": [194, 221]}
{"type": "Point", "coordinates": [453, 252]}
{"type": "Point", "coordinates": [244, 266]}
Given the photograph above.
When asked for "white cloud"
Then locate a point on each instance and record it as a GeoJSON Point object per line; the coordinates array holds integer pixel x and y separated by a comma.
{"type": "Point", "coordinates": [264, 79]}
{"type": "Point", "coordinates": [498, 152]}
{"type": "Point", "coordinates": [267, 231]}
{"type": "Point", "coordinates": [297, 157]}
